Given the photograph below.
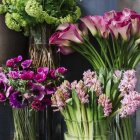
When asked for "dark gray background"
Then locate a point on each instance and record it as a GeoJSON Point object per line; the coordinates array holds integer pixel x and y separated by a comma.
{"type": "Point", "coordinates": [12, 43]}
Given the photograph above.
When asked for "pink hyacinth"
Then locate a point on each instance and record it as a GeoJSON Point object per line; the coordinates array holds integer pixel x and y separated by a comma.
{"type": "Point", "coordinates": [130, 104]}
{"type": "Point", "coordinates": [104, 101]}
{"type": "Point", "coordinates": [91, 81]}
{"type": "Point", "coordinates": [128, 83]}
{"type": "Point", "coordinates": [83, 96]}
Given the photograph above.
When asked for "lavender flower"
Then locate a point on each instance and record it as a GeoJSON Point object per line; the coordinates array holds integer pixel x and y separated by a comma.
{"type": "Point", "coordinates": [104, 101]}
{"type": "Point", "coordinates": [128, 83]}
{"type": "Point", "coordinates": [3, 78]}
{"type": "Point", "coordinates": [38, 91]}
{"type": "Point", "coordinates": [17, 101]}
{"type": "Point", "coordinates": [130, 104]}
{"type": "Point", "coordinates": [2, 97]}
{"type": "Point", "coordinates": [26, 64]}
{"type": "Point", "coordinates": [14, 74]}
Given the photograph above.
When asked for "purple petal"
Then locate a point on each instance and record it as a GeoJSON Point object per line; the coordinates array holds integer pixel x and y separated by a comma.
{"type": "Point", "coordinates": [2, 97]}
{"type": "Point", "coordinates": [44, 70]}
{"type": "Point", "coordinates": [26, 64]}
{"type": "Point", "coordinates": [40, 77]}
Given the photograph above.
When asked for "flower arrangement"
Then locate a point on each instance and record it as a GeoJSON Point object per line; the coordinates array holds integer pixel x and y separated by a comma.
{"type": "Point", "coordinates": [25, 14]}
{"type": "Point", "coordinates": [98, 97]}
{"type": "Point", "coordinates": [110, 42]}
{"type": "Point", "coordinates": [27, 90]}
{"type": "Point", "coordinates": [114, 34]}
{"type": "Point", "coordinates": [22, 85]}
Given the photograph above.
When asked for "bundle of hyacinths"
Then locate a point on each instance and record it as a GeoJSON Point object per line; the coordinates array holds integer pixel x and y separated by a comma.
{"type": "Point", "coordinates": [89, 105]}
{"type": "Point", "coordinates": [27, 90]}
{"type": "Point", "coordinates": [111, 36]}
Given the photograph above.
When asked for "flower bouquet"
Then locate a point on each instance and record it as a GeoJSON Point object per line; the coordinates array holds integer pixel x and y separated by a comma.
{"type": "Point", "coordinates": [112, 43]}
{"type": "Point", "coordinates": [27, 90]}
{"type": "Point", "coordinates": [89, 105]}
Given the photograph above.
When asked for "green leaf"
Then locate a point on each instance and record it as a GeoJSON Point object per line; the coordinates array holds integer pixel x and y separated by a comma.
{"type": "Point", "coordinates": [108, 88]}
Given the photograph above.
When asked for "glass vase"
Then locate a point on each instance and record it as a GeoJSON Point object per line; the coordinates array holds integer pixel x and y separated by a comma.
{"type": "Point", "coordinates": [124, 128]}
{"type": "Point", "coordinates": [99, 130]}
{"type": "Point", "coordinates": [25, 124]}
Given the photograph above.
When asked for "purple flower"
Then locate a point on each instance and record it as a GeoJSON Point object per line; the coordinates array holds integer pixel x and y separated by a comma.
{"type": "Point", "coordinates": [9, 91]}
{"type": "Point", "coordinates": [17, 101]}
{"type": "Point", "coordinates": [13, 74]}
{"type": "Point", "coordinates": [104, 101]}
{"type": "Point", "coordinates": [26, 64]}
{"type": "Point", "coordinates": [61, 70]}
{"type": "Point", "coordinates": [44, 70]}
{"type": "Point", "coordinates": [50, 89]}
{"type": "Point", "coordinates": [3, 86]}
{"type": "Point", "coordinates": [40, 105]}
{"type": "Point", "coordinates": [18, 59]}
{"type": "Point", "coordinates": [40, 77]}
{"type": "Point", "coordinates": [2, 97]}
{"type": "Point", "coordinates": [38, 91]}
{"type": "Point", "coordinates": [10, 63]}
{"type": "Point", "coordinates": [27, 75]}
{"type": "Point", "coordinates": [52, 74]}
{"type": "Point", "coordinates": [3, 78]}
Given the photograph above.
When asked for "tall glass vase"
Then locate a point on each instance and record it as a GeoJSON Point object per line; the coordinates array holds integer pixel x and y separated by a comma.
{"type": "Point", "coordinates": [43, 55]}
{"type": "Point", "coordinates": [124, 128]}
{"type": "Point", "coordinates": [25, 124]}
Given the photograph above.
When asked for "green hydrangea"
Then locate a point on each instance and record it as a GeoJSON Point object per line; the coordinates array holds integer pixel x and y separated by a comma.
{"type": "Point", "coordinates": [34, 9]}
{"type": "Point", "coordinates": [11, 23]}
{"type": "Point", "coordinates": [3, 9]}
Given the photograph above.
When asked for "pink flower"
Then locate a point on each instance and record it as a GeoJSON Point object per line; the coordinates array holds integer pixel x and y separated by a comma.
{"type": "Point", "coordinates": [122, 27]}
{"type": "Point", "coordinates": [61, 70]}
{"type": "Point", "coordinates": [83, 96]}
{"type": "Point", "coordinates": [27, 75]}
{"type": "Point", "coordinates": [44, 70]}
{"type": "Point", "coordinates": [62, 38]}
{"type": "Point", "coordinates": [40, 77]}
{"type": "Point", "coordinates": [104, 101]}
{"type": "Point", "coordinates": [130, 104]}
{"type": "Point", "coordinates": [10, 63]}
{"type": "Point", "coordinates": [117, 74]}
{"type": "Point", "coordinates": [14, 74]}
{"type": "Point", "coordinates": [128, 83]}
{"type": "Point", "coordinates": [96, 25]}
{"type": "Point", "coordinates": [18, 59]}
{"type": "Point", "coordinates": [26, 64]}
{"type": "Point", "coordinates": [2, 97]}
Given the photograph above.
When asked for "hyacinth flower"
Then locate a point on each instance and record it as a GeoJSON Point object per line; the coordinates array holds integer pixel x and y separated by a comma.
{"type": "Point", "coordinates": [113, 35]}
{"type": "Point", "coordinates": [97, 97]}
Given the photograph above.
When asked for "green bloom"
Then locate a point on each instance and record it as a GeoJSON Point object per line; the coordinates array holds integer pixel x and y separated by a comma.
{"type": "Point", "coordinates": [3, 9]}
{"type": "Point", "coordinates": [34, 9]}
{"type": "Point", "coordinates": [11, 23]}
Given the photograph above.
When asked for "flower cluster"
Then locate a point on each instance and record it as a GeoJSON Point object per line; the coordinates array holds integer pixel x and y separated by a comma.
{"type": "Point", "coordinates": [130, 104]}
{"type": "Point", "coordinates": [21, 85]}
{"type": "Point", "coordinates": [128, 82]}
{"type": "Point", "coordinates": [104, 101]}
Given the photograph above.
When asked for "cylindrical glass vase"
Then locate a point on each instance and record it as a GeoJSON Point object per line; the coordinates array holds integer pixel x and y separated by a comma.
{"type": "Point", "coordinates": [124, 128]}
{"type": "Point", "coordinates": [98, 130]}
{"type": "Point", "coordinates": [25, 124]}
